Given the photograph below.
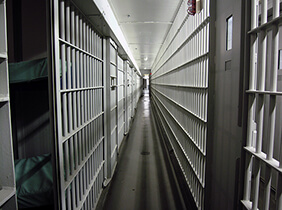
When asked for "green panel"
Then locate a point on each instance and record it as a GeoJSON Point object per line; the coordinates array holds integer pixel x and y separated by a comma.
{"type": "Point", "coordinates": [34, 181]}
{"type": "Point", "coordinates": [28, 70]}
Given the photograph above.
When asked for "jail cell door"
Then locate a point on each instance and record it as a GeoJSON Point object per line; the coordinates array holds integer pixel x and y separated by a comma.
{"type": "Point", "coordinates": [121, 104]}
{"type": "Point", "coordinates": [77, 77]}
{"type": "Point", "coordinates": [263, 146]}
{"type": "Point", "coordinates": [113, 104]}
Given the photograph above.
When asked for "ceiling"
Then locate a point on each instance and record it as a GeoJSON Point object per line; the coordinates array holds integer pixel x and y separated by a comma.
{"type": "Point", "coordinates": [145, 24]}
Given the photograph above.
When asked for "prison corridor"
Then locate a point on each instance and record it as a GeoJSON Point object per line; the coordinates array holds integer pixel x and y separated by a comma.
{"type": "Point", "coordinates": [144, 178]}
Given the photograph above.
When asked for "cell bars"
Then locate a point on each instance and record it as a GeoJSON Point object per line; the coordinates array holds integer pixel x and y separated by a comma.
{"type": "Point", "coordinates": [121, 102]}
{"type": "Point", "coordinates": [129, 95]}
{"type": "Point", "coordinates": [263, 171]}
{"type": "Point", "coordinates": [79, 107]}
{"type": "Point", "coordinates": [180, 94]}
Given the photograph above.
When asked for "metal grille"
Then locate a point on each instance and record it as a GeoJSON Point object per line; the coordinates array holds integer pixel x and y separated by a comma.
{"type": "Point", "coordinates": [263, 173]}
{"type": "Point", "coordinates": [121, 102]}
{"type": "Point", "coordinates": [79, 109]}
{"type": "Point", "coordinates": [180, 91]}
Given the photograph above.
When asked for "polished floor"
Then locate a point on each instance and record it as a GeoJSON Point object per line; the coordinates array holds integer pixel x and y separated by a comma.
{"type": "Point", "coordinates": [143, 178]}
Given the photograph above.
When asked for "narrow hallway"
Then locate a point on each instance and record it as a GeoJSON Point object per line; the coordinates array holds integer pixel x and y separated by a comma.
{"type": "Point", "coordinates": [143, 178]}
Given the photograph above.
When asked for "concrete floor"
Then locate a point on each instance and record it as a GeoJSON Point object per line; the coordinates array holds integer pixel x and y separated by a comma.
{"type": "Point", "coordinates": [144, 178]}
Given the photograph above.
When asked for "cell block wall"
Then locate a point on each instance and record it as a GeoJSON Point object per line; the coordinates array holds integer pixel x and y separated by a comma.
{"type": "Point", "coordinates": [121, 102]}
{"type": "Point", "coordinates": [79, 109]}
{"type": "Point", "coordinates": [263, 171]}
{"type": "Point", "coordinates": [179, 85]}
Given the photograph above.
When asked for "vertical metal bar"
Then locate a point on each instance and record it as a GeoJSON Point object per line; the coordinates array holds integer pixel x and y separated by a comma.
{"type": "Point", "coordinates": [116, 102]}
{"type": "Point", "coordinates": [257, 169]}
{"type": "Point", "coordinates": [125, 96]}
{"type": "Point", "coordinates": [79, 148]}
{"type": "Point", "coordinates": [90, 75]}
{"type": "Point", "coordinates": [74, 100]}
{"type": "Point", "coordinates": [248, 174]}
{"type": "Point", "coordinates": [252, 84]}
{"type": "Point", "coordinates": [92, 84]}
{"type": "Point", "coordinates": [96, 47]}
{"type": "Point", "coordinates": [69, 143]}
{"type": "Point", "coordinates": [261, 77]}
{"type": "Point", "coordinates": [273, 85]}
{"type": "Point", "coordinates": [69, 73]}
{"type": "Point", "coordinates": [55, 7]}
{"type": "Point", "coordinates": [84, 73]}
{"type": "Point", "coordinates": [63, 58]}
{"type": "Point", "coordinates": [88, 72]}
{"type": "Point", "coordinates": [77, 58]}
{"type": "Point", "coordinates": [81, 71]}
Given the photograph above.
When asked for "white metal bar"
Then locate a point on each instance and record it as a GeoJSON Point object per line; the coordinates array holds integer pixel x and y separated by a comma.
{"type": "Point", "coordinates": [69, 73]}
{"type": "Point", "coordinates": [255, 188]}
{"type": "Point", "coordinates": [81, 71]}
{"type": "Point", "coordinates": [63, 58]}
{"type": "Point", "coordinates": [74, 69]}
{"type": "Point", "coordinates": [272, 109]}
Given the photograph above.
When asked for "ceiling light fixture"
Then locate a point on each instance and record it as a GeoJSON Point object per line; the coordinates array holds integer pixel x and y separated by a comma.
{"type": "Point", "coordinates": [146, 58]}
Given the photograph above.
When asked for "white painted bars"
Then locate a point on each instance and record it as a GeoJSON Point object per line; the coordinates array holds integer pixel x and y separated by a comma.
{"type": "Point", "coordinates": [262, 116]}
{"type": "Point", "coordinates": [180, 91]}
{"type": "Point", "coordinates": [79, 111]}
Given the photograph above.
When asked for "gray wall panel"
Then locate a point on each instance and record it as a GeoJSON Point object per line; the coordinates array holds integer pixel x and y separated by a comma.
{"type": "Point", "coordinates": [225, 150]}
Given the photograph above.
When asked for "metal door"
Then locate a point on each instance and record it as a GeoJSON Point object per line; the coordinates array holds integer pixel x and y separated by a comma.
{"type": "Point", "coordinates": [263, 172]}
{"type": "Point", "coordinates": [77, 79]}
